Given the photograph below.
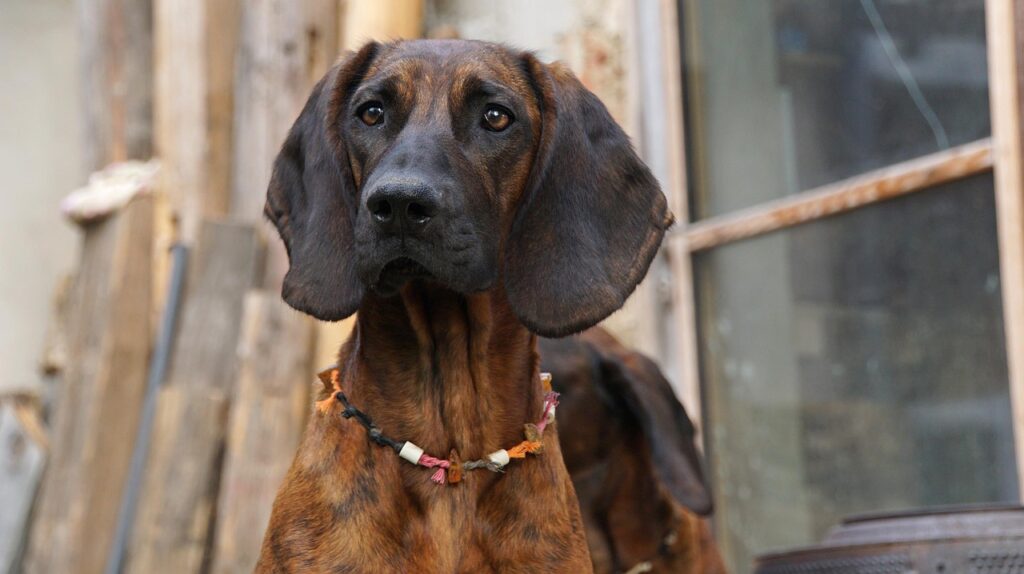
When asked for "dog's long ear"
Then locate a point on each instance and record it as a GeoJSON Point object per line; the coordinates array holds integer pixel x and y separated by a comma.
{"type": "Point", "coordinates": [592, 218]}
{"type": "Point", "coordinates": [312, 199]}
{"type": "Point", "coordinates": [638, 384]}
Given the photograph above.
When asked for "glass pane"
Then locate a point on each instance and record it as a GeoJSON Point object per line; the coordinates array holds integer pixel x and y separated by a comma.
{"type": "Point", "coordinates": [856, 364]}
{"type": "Point", "coordinates": [787, 95]}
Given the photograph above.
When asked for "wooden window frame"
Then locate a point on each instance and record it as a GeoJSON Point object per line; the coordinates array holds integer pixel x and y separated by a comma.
{"type": "Point", "coordinates": [1000, 154]}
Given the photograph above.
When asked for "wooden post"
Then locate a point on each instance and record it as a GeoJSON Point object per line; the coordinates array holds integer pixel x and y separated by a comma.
{"type": "Point", "coordinates": [285, 47]}
{"type": "Point", "coordinates": [1005, 22]}
{"type": "Point", "coordinates": [664, 149]}
{"type": "Point", "coordinates": [116, 76]}
{"type": "Point", "coordinates": [383, 20]}
{"type": "Point", "coordinates": [21, 462]}
{"type": "Point", "coordinates": [267, 417]}
{"type": "Point", "coordinates": [173, 524]}
{"type": "Point", "coordinates": [96, 416]}
{"type": "Point", "coordinates": [194, 63]}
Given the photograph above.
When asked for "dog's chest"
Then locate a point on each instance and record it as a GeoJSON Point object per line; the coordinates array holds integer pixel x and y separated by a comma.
{"type": "Point", "coordinates": [385, 518]}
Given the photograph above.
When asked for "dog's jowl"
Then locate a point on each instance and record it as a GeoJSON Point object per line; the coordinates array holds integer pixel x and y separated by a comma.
{"type": "Point", "coordinates": [463, 197]}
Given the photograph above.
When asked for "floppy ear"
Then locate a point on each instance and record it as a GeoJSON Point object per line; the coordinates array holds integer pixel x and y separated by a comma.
{"type": "Point", "coordinates": [638, 384]}
{"type": "Point", "coordinates": [312, 199]}
{"type": "Point", "coordinates": [592, 218]}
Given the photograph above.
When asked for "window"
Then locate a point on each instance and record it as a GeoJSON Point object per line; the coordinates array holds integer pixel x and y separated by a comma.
{"type": "Point", "coordinates": [851, 298]}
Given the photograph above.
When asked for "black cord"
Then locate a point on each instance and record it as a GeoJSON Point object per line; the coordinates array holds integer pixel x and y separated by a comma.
{"type": "Point", "coordinates": [376, 435]}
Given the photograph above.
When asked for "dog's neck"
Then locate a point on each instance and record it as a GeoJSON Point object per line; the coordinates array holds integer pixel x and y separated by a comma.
{"type": "Point", "coordinates": [447, 372]}
{"type": "Point", "coordinates": [444, 370]}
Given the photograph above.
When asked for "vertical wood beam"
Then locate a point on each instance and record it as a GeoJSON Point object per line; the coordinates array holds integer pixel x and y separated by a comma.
{"type": "Point", "coordinates": [1004, 22]}
{"type": "Point", "coordinates": [671, 143]}
{"type": "Point", "coordinates": [266, 421]}
{"type": "Point", "coordinates": [194, 64]}
{"type": "Point", "coordinates": [96, 416]}
{"type": "Point", "coordinates": [173, 525]}
{"type": "Point", "coordinates": [116, 54]}
{"type": "Point", "coordinates": [285, 47]}
{"type": "Point", "coordinates": [21, 463]}
{"type": "Point", "coordinates": [382, 20]}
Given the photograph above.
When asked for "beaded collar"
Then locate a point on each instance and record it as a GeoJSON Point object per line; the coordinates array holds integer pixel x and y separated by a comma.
{"type": "Point", "coordinates": [450, 469]}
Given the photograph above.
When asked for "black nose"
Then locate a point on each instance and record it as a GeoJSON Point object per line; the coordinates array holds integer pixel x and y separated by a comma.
{"type": "Point", "coordinates": [403, 206]}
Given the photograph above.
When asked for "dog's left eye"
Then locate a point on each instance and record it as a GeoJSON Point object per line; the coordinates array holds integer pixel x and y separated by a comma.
{"type": "Point", "coordinates": [497, 118]}
{"type": "Point", "coordinates": [371, 113]}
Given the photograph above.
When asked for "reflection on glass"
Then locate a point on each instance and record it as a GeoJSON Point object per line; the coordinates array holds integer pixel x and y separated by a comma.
{"type": "Point", "coordinates": [856, 364]}
{"type": "Point", "coordinates": [787, 95]}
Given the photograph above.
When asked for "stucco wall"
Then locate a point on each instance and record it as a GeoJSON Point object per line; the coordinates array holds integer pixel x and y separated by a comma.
{"type": "Point", "coordinates": [39, 163]}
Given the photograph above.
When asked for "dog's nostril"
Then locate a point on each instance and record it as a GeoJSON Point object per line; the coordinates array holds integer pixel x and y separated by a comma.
{"type": "Point", "coordinates": [418, 213]}
{"type": "Point", "coordinates": [381, 210]}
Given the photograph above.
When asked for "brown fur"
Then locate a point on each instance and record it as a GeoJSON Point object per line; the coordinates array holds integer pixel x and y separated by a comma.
{"type": "Point", "coordinates": [629, 514]}
{"type": "Point", "coordinates": [350, 506]}
{"type": "Point", "coordinates": [547, 226]}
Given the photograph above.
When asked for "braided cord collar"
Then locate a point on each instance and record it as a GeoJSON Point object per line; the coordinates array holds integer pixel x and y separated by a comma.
{"type": "Point", "coordinates": [451, 468]}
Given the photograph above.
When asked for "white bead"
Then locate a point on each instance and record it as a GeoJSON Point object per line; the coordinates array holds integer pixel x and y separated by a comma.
{"type": "Point", "coordinates": [411, 452]}
{"type": "Point", "coordinates": [499, 456]}
{"type": "Point", "coordinates": [551, 414]}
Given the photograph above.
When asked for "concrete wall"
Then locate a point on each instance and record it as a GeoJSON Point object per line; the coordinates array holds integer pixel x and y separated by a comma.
{"type": "Point", "coordinates": [39, 164]}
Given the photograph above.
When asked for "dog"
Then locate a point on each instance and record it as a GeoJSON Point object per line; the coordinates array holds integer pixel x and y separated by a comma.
{"type": "Point", "coordinates": [629, 448]}
{"type": "Point", "coordinates": [464, 198]}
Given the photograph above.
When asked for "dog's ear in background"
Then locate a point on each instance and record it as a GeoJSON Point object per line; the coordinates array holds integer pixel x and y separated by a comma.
{"type": "Point", "coordinates": [592, 216]}
{"type": "Point", "coordinates": [635, 382]}
{"type": "Point", "coordinates": [312, 199]}
{"type": "Point", "coordinates": [631, 452]}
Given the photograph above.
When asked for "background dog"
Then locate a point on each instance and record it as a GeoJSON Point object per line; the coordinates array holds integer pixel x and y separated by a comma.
{"type": "Point", "coordinates": [629, 448]}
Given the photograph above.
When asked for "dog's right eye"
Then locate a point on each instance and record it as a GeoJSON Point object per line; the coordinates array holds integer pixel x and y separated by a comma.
{"type": "Point", "coordinates": [371, 113]}
{"type": "Point", "coordinates": [497, 118]}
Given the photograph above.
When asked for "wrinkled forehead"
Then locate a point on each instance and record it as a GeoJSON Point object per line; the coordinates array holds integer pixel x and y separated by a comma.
{"type": "Point", "coordinates": [446, 71]}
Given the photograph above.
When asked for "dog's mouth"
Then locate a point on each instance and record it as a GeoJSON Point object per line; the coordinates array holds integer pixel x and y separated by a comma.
{"type": "Point", "coordinates": [399, 271]}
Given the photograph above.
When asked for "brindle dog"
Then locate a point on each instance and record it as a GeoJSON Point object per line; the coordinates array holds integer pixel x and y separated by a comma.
{"type": "Point", "coordinates": [463, 197]}
{"type": "Point", "coordinates": [631, 453]}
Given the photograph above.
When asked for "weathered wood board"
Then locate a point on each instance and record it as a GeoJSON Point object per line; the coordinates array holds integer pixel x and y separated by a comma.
{"type": "Point", "coordinates": [173, 524]}
{"type": "Point", "coordinates": [21, 465]}
{"type": "Point", "coordinates": [109, 335]}
{"type": "Point", "coordinates": [268, 413]}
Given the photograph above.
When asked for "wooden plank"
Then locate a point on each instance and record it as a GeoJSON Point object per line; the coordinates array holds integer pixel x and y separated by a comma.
{"type": "Point", "coordinates": [683, 287]}
{"type": "Point", "coordinates": [159, 361]}
{"type": "Point", "coordinates": [222, 37]}
{"type": "Point", "coordinates": [194, 62]}
{"type": "Point", "coordinates": [223, 267]}
{"type": "Point", "coordinates": [887, 183]}
{"type": "Point", "coordinates": [117, 95]}
{"type": "Point", "coordinates": [96, 414]}
{"type": "Point", "coordinates": [21, 464]}
{"type": "Point", "coordinates": [173, 524]}
{"type": "Point", "coordinates": [663, 147]}
{"type": "Point", "coordinates": [285, 48]}
{"type": "Point", "coordinates": [268, 413]}
{"type": "Point", "coordinates": [175, 516]}
{"type": "Point", "coordinates": [1004, 21]}
{"type": "Point", "coordinates": [383, 20]}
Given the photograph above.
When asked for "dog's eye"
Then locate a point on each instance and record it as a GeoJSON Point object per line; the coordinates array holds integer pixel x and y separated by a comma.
{"type": "Point", "coordinates": [371, 113]}
{"type": "Point", "coordinates": [497, 118]}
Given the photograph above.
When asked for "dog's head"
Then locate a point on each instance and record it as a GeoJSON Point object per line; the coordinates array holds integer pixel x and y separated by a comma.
{"type": "Point", "coordinates": [466, 164]}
